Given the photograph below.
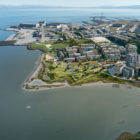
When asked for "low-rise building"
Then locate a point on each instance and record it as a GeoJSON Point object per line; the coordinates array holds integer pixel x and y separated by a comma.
{"type": "Point", "coordinates": [82, 58]}
{"type": "Point", "coordinates": [72, 49]}
{"type": "Point", "coordinates": [113, 57]}
{"type": "Point", "coordinates": [128, 72]}
{"type": "Point", "coordinates": [88, 46]}
{"type": "Point", "coordinates": [93, 57]}
{"type": "Point", "coordinates": [69, 59]}
{"type": "Point", "coordinates": [114, 70]}
{"type": "Point", "coordinates": [122, 50]}
{"type": "Point", "coordinates": [28, 25]}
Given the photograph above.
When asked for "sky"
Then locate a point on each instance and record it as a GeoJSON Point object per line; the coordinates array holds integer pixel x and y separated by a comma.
{"type": "Point", "coordinates": [74, 3]}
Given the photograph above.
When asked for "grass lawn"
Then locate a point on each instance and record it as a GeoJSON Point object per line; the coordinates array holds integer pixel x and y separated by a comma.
{"type": "Point", "coordinates": [38, 46]}
{"type": "Point", "coordinates": [59, 44]}
{"type": "Point", "coordinates": [71, 72]}
{"type": "Point", "coordinates": [75, 74]}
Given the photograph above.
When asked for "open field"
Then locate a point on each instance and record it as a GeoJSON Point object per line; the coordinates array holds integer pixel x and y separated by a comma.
{"type": "Point", "coordinates": [58, 44]}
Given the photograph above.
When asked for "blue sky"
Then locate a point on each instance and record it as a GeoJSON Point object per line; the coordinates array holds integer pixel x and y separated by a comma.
{"type": "Point", "coordinates": [71, 2]}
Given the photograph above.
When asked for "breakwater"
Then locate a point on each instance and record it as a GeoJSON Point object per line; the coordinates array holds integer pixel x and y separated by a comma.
{"type": "Point", "coordinates": [7, 43]}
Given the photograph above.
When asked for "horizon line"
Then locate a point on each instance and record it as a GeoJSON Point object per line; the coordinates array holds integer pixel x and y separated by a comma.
{"type": "Point", "coordinates": [35, 5]}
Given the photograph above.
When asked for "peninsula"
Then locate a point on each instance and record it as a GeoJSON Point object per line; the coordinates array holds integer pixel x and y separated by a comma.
{"type": "Point", "coordinates": [100, 51]}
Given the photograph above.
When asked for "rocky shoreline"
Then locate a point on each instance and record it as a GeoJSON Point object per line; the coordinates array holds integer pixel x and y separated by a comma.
{"type": "Point", "coordinates": [7, 43]}
{"type": "Point", "coordinates": [129, 136]}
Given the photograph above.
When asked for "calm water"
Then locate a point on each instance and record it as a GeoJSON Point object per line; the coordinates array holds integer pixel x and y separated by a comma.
{"type": "Point", "coordinates": [82, 113]}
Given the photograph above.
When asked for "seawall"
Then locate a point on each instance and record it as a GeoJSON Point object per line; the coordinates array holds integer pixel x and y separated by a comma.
{"type": "Point", "coordinates": [7, 43]}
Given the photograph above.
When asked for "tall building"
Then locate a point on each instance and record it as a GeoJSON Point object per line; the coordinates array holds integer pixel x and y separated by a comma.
{"type": "Point", "coordinates": [42, 34]}
{"type": "Point", "coordinates": [131, 49]}
{"type": "Point", "coordinates": [133, 60]}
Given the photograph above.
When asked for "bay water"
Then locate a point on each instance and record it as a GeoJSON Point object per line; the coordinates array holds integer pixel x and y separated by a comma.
{"type": "Point", "coordinates": [98, 112]}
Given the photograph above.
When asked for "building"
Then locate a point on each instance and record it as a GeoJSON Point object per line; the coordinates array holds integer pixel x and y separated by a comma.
{"type": "Point", "coordinates": [93, 57]}
{"type": "Point", "coordinates": [62, 27]}
{"type": "Point", "coordinates": [111, 53]}
{"type": "Point", "coordinates": [115, 56]}
{"type": "Point", "coordinates": [36, 34]}
{"type": "Point", "coordinates": [128, 72]}
{"type": "Point", "coordinates": [72, 49]}
{"type": "Point", "coordinates": [131, 49]}
{"type": "Point", "coordinates": [88, 46]}
{"type": "Point", "coordinates": [119, 39]}
{"type": "Point", "coordinates": [82, 58]}
{"type": "Point", "coordinates": [42, 23]}
{"type": "Point", "coordinates": [137, 29]}
{"type": "Point", "coordinates": [117, 25]}
{"type": "Point", "coordinates": [122, 50]}
{"type": "Point", "coordinates": [133, 60]}
{"type": "Point", "coordinates": [28, 25]}
{"type": "Point", "coordinates": [114, 70]}
{"type": "Point", "coordinates": [69, 60]}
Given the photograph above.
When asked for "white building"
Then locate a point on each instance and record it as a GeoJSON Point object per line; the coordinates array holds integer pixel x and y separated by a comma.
{"type": "Point", "coordinates": [133, 60]}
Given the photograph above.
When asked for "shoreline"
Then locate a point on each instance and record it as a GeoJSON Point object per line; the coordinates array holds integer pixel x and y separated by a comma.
{"type": "Point", "coordinates": [34, 75]}
{"type": "Point", "coordinates": [54, 85]}
{"type": "Point", "coordinates": [60, 84]}
{"type": "Point", "coordinates": [64, 85]}
{"type": "Point", "coordinates": [48, 86]}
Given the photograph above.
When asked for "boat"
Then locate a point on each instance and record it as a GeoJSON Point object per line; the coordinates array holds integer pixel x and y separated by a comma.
{"type": "Point", "coordinates": [137, 105]}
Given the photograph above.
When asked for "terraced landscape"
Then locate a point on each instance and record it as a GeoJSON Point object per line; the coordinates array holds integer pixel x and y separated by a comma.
{"type": "Point", "coordinates": [57, 74]}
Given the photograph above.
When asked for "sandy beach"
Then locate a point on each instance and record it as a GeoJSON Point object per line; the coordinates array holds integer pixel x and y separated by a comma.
{"type": "Point", "coordinates": [35, 74]}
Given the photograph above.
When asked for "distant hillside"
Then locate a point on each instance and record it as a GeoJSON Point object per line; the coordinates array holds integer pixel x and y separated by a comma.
{"type": "Point", "coordinates": [43, 6]}
{"type": "Point", "coordinates": [122, 7]}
